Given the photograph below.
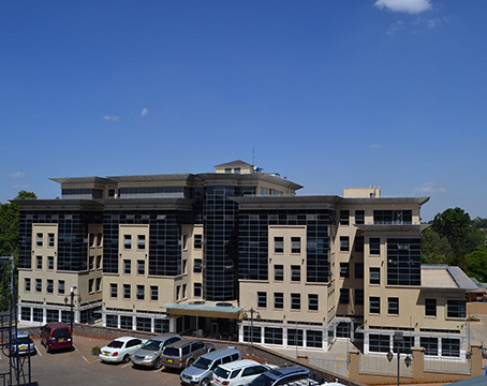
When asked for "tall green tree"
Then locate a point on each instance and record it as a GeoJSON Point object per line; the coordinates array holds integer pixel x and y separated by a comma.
{"type": "Point", "coordinates": [434, 248]}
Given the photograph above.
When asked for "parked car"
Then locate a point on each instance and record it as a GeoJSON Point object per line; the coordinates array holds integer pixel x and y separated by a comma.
{"type": "Point", "coordinates": [201, 371]}
{"type": "Point", "coordinates": [238, 373]}
{"type": "Point", "coordinates": [182, 354]}
{"type": "Point", "coordinates": [284, 376]}
{"type": "Point", "coordinates": [120, 349]}
{"type": "Point", "coordinates": [22, 343]}
{"type": "Point", "coordinates": [56, 336]}
{"type": "Point", "coordinates": [149, 354]}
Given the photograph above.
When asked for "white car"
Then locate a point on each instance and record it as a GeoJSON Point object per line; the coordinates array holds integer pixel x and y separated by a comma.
{"type": "Point", "coordinates": [239, 372]}
{"type": "Point", "coordinates": [120, 349]}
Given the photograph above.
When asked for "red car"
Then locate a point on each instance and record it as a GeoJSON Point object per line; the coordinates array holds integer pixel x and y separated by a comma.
{"type": "Point", "coordinates": [56, 336]}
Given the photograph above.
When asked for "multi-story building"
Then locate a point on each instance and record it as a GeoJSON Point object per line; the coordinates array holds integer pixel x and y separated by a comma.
{"type": "Point", "coordinates": [237, 254]}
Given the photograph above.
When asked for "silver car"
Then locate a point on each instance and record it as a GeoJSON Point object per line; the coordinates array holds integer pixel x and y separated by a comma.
{"type": "Point", "coordinates": [149, 355]}
{"type": "Point", "coordinates": [22, 343]}
{"type": "Point", "coordinates": [182, 354]}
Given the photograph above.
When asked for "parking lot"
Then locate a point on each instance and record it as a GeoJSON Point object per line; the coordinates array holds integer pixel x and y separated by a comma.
{"type": "Point", "coordinates": [80, 367]}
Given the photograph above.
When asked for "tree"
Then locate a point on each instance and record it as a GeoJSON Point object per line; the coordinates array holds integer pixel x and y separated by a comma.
{"type": "Point", "coordinates": [477, 265]}
{"type": "Point", "coordinates": [435, 249]}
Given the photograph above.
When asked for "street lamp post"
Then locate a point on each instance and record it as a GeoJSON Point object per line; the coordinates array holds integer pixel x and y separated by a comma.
{"type": "Point", "coordinates": [398, 340]}
{"type": "Point", "coordinates": [252, 311]}
{"type": "Point", "coordinates": [72, 305]}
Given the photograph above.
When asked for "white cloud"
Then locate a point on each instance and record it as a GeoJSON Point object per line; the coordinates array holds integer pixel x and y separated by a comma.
{"type": "Point", "coordinates": [17, 175]}
{"type": "Point", "coordinates": [144, 112]}
{"type": "Point", "coordinates": [409, 6]}
{"type": "Point", "coordinates": [376, 146]}
{"type": "Point", "coordinates": [111, 117]}
{"type": "Point", "coordinates": [429, 188]}
{"type": "Point", "coordinates": [23, 187]}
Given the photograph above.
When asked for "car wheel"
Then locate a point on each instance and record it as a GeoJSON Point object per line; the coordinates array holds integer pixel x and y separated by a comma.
{"type": "Point", "coordinates": [158, 364]}
{"type": "Point", "coordinates": [205, 382]}
{"type": "Point", "coordinates": [126, 358]}
{"type": "Point", "coordinates": [190, 362]}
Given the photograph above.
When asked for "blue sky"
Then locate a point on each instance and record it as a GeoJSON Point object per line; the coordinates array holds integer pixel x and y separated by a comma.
{"type": "Point", "coordinates": [329, 93]}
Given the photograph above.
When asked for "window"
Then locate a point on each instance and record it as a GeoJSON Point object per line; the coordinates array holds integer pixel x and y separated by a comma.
{"type": "Point", "coordinates": [99, 239]}
{"type": "Point", "coordinates": [39, 262]}
{"type": "Point", "coordinates": [236, 170]}
{"type": "Point", "coordinates": [430, 345]}
{"type": "Point", "coordinates": [374, 305]}
{"type": "Point", "coordinates": [343, 330]}
{"type": "Point", "coordinates": [27, 284]}
{"type": "Point", "coordinates": [359, 243]}
{"type": "Point", "coordinates": [178, 291]}
{"type": "Point", "coordinates": [140, 241]}
{"type": "Point", "coordinates": [374, 246]}
{"type": "Point", "coordinates": [430, 307]}
{"type": "Point", "coordinates": [379, 343]}
{"type": "Point", "coordinates": [98, 262]}
{"type": "Point", "coordinates": [262, 299]}
{"type": "Point", "coordinates": [295, 301]}
{"type": "Point", "coordinates": [374, 275]}
{"type": "Point", "coordinates": [91, 262]}
{"type": "Point", "coordinates": [314, 338]}
{"type": "Point", "coordinates": [98, 284]}
{"type": "Point", "coordinates": [50, 262]}
{"type": "Point", "coordinates": [359, 217]}
{"type": "Point", "coordinates": [295, 273]}
{"type": "Point", "coordinates": [90, 285]}
{"type": "Point", "coordinates": [344, 269]}
{"type": "Point", "coordinates": [154, 292]}
{"type": "Point", "coordinates": [295, 244]}
{"type": "Point", "coordinates": [60, 286]}
{"type": "Point", "coordinates": [197, 290]}
{"type": "Point", "coordinates": [278, 245]}
{"type": "Point", "coordinates": [126, 291]}
{"type": "Point", "coordinates": [185, 242]}
{"type": "Point", "coordinates": [344, 243]}
{"type": "Point", "coordinates": [294, 337]}
{"type": "Point", "coordinates": [344, 296]}
{"type": "Point", "coordinates": [50, 238]}
{"type": "Point", "coordinates": [359, 297]}
{"type": "Point", "coordinates": [392, 216]}
{"type": "Point", "coordinates": [313, 302]}
{"type": "Point", "coordinates": [113, 290]}
{"type": "Point", "coordinates": [185, 266]}
{"type": "Point", "coordinates": [198, 241]}
{"type": "Point", "coordinates": [39, 240]}
{"type": "Point", "coordinates": [450, 347]}
{"type": "Point", "coordinates": [140, 292]}
{"type": "Point", "coordinates": [228, 170]}
{"type": "Point", "coordinates": [278, 300]}
{"type": "Point", "coordinates": [38, 285]}
{"type": "Point", "coordinates": [126, 266]}
{"type": "Point", "coordinates": [92, 240]}
{"type": "Point", "coordinates": [273, 335]}
{"type": "Point", "coordinates": [455, 308]}
{"type": "Point", "coordinates": [404, 262]}
{"type": "Point", "coordinates": [184, 291]}
{"type": "Point", "coordinates": [126, 322]}
{"type": "Point", "coordinates": [197, 265]}
{"type": "Point", "coordinates": [359, 270]}
{"type": "Point", "coordinates": [141, 267]}
{"type": "Point", "coordinates": [344, 217]}
{"type": "Point", "coordinates": [278, 273]}
{"type": "Point", "coordinates": [393, 306]}
{"type": "Point", "coordinates": [127, 241]}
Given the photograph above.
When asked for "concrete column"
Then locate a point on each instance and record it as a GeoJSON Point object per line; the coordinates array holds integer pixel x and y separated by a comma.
{"type": "Point", "coordinates": [418, 363]}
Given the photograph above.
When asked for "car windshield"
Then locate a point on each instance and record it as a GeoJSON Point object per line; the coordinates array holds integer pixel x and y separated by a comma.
{"type": "Point", "coordinates": [115, 344]}
{"type": "Point", "coordinates": [262, 380]}
{"type": "Point", "coordinates": [202, 363]}
{"type": "Point", "coordinates": [61, 333]}
{"type": "Point", "coordinates": [222, 373]}
{"type": "Point", "coordinates": [171, 351]}
{"type": "Point", "coordinates": [23, 340]}
{"type": "Point", "coordinates": [153, 345]}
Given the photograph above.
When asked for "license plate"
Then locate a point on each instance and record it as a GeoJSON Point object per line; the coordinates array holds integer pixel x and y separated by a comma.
{"type": "Point", "coordinates": [23, 347]}
{"type": "Point", "coordinates": [61, 340]}
{"type": "Point", "coordinates": [106, 354]}
{"type": "Point", "coordinates": [169, 360]}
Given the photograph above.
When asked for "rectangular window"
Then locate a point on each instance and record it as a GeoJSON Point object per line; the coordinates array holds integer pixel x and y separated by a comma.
{"type": "Point", "coordinates": [185, 266]}
{"type": "Point", "coordinates": [184, 291]}
{"type": "Point", "coordinates": [39, 262]}
{"type": "Point", "coordinates": [50, 238]}
{"type": "Point", "coordinates": [91, 262]}
{"type": "Point", "coordinates": [374, 275]}
{"type": "Point", "coordinates": [359, 270]}
{"type": "Point", "coordinates": [392, 216]}
{"type": "Point", "coordinates": [344, 217]}
{"type": "Point", "coordinates": [295, 301]}
{"type": "Point", "coordinates": [39, 239]}
{"type": "Point", "coordinates": [374, 305]}
{"type": "Point", "coordinates": [344, 296]}
{"type": "Point", "coordinates": [456, 308]}
{"type": "Point", "coordinates": [314, 338]}
{"type": "Point", "coordinates": [278, 245]}
{"type": "Point", "coordinates": [252, 335]}
{"type": "Point", "coordinates": [278, 300]}
{"type": "Point", "coordinates": [141, 267]}
{"type": "Point", "coordinates": [50, 262]}
{"type": "Point", "coordinates": [27, 284]}
{"type": "Point", "coordinates": [198, 241]}
{"type": "Point", "coordinates": [197, 265]}
{"type": "Point", "coordinates": [140, 241]}
{"type": "Point", "coordinates": [344, 269]}
{"type": "Point", "coordinates": [273, 335]}
{"type": "Point", "coordinates": [359, 297]}
{"type": "Point", "coordinates": [430, 346]}
{"type": "Point", "coordinates": [99, 239]}
{"type": "Point", "coordinates": [126, 322]}
{"type": "Point", "coordinates": [98, 284]}
{"type": "Point", "coordinates": [39, 285]}
{"type": "Point", "coordinates": [374, 246]}
{"type": "Point", "coordinates": [450, 347]}
{"type": "Point", "coordinates": [430, 307]}
{"type": "Point", "coordinates": [295, 244]}
{"type": "Point", "coordinates": [98, 262]}
{"type": "Point", "coordinates": [359, 243]}
{"type": "Point", "coordinates": [313, 302]}
{"type": "Point", "coordinates": [90, 286]}
{"type": "Point", "coordinates": [140, 292]}
{"type": "Point", "coordinates": [393, 306]}
{"type": "Point", "coordinates": [127, 241]}
{"type": "Point", "coordinates": [294, 337]}
{"type": "Point", "coordinates": [359, 217]}
{"type": "Point", "coordinates": [295, 273]}
{"type": "Point", "coordinates": [154, 292]}
{"type": "Point", "coordinates": [126, 291]}
{"type": "Point", "coordinates": [262, 299]}
{"type": "Point", "coordinates": [379, 343]}
{"type": "Point", "coordinates": [278, 273]}
{"type": "Point", "coordinates": [126, 266]}
{"type": "Point", "coordinates": [61, 286]}
{"type": "Point", "coordinates": [344, 243]}
{"type": "Point", "coordinates": [113, 290]}
{"type": "Point", "coordinates": [197, 290]}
